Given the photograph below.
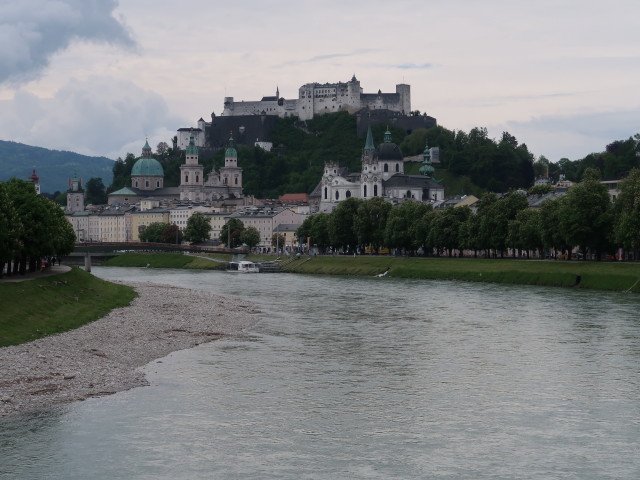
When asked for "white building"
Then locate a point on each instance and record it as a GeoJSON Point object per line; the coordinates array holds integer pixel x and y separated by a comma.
{"type": "Point", "coordinates": [382, 176]}
{"type": "Point", "coordinates": [318, 99]}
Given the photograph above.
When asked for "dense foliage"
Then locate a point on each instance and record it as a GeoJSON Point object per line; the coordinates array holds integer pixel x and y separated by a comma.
{"type": "Point", "coordinates": [583, 220]}
{"type": "Point", "coordinates": [31, 227]}
{"type": "Point", "coordinates": [471, 162]}
{"type": "Point", "coordinates": [53, 166]}
{"type": "Point", "coordinates": [198, 228]}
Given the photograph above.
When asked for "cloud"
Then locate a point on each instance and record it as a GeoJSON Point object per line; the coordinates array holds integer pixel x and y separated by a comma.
{"type": "Point", "coordinates": [412, 66]}
{"type": "Point", "coordinates": [564, 135]}
{"type": "Point", "coordinates": [329, 56]}
{"type": "Point", "coordinates": [97, 116]}
{"type": "Point", "coordinates": [32, 31]}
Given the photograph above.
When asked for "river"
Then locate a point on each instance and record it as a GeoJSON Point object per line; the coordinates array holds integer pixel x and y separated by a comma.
{"type": "Point", "coordinates": [365, 378]}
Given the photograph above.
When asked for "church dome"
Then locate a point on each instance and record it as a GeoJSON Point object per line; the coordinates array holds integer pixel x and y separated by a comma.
{"type": "Point", "coordinates": [146, 167]}
{"type": "Point", "coordinates": [389, 151]}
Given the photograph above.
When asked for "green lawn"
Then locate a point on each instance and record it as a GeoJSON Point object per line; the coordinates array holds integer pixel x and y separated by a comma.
{"type": "Point", "coordinates": [591, 275]}
{"type": "Point", "coordinates": [169, 260]}
{"type": "Point", "coordinates": [40, 307]}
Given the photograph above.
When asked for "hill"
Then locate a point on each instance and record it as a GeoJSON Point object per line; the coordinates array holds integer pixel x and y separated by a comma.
{"type": "Point", "coordinates": [54, 167]}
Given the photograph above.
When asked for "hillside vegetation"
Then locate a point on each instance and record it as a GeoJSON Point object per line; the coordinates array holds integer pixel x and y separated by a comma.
{"type": "Point", "coordinates": [54, 167]}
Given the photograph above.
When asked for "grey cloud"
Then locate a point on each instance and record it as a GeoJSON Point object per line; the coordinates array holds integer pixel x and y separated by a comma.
{"type": "Point", "coordinates": [412, 66]}
{"type": "Point", "coordinates": [32, 31]}
{"type": "Point", "coordinates": [93, 117]}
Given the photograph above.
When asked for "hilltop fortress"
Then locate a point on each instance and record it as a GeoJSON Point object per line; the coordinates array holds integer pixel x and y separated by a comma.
{"type": "Point", "coordinates": [318, 99]}
{"type": "Point", "coordinates": [251, 122]}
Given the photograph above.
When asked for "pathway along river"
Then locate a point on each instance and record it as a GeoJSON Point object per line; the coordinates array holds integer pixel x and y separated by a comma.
{"type": "Point", "coordinates": [366, 378]}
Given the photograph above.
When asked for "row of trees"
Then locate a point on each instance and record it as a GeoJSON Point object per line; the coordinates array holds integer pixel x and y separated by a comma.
{"type": "Point", "coordinates": [32, 227]}
{"type": "Point", "coordinates": [584, 218]}
{"type": "Point", "coordinates": [198, 230]}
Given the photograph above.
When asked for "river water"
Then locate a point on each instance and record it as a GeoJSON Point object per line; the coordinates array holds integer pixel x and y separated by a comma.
{"type": "Point", "coordinates": [365, 378]}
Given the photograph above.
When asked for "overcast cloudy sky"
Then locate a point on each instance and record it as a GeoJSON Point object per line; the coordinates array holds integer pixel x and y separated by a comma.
{"type": "Point", "coordinates": [97, 77]}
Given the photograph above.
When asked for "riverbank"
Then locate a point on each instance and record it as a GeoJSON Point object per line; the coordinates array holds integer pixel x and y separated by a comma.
{"type": "Point", "coordinates": [607, 276]}
{"type": "Point", "coordinates": [105, 356]}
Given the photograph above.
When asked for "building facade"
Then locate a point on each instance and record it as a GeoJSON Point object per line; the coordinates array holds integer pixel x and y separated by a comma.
{"type": "Point", "coordinates": [382, 175]}
{"type": "Point", "coordinates": [318, 99]}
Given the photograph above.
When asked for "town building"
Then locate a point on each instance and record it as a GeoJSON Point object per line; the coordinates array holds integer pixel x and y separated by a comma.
{"type": "Point", "coordinates": [75, 195]}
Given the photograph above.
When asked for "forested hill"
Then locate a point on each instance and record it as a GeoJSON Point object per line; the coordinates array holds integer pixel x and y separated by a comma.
{"type": "Point", "coordinates": [54, 167]}
{"type": "Point", "coordinates": [471, 162]}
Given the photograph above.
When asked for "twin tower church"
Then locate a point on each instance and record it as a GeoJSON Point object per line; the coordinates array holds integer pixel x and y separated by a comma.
{"type": "Point", "coordinates": [147, 179]}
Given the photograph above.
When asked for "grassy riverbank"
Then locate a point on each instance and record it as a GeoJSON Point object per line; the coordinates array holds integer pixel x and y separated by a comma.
{"type": "Point", "coordinates": [40, 307]}
{"type": "Point", "coordinates": [169, 260]}
{"type": "Point", "coordinates": [609, 276]}
{"type": "Point", "coordinates": [589, 275]}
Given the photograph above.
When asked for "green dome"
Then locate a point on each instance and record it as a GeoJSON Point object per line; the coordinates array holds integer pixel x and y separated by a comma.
{"type": "Point", "coordinates": [147, 166]}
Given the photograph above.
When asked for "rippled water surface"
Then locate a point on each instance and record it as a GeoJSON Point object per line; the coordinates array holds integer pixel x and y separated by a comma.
{"type": "Point", "coordinates": [366, 378]}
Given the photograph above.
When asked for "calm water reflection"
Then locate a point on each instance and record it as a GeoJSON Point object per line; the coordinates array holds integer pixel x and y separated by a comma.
{"type": "Point", "coordinates": [366, 378]}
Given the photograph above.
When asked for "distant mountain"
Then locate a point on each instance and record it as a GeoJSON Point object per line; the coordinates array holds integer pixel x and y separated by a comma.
{"type": "Point", "coordinates": [54, 167]}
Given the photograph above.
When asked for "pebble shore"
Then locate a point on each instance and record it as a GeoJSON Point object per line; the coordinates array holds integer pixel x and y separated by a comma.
{"type": "Point", "coordinates": [105, 356]}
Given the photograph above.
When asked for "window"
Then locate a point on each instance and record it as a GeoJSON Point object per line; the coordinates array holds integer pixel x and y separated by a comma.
{"type": "Point", "coordinates": [375, 190]}
{"type": "Point", "coordinates": [386, 167]}
{"type": "Point", "coordinates": [365, 191]}
{"type": "Point", "coordinates": [337, 196]}
{"type": "Point", "coordinates": [146, 183]}
{"type": "Point", "coordinates": [186, 179]}
{"type": "Point", "coordinates": [348, 195]}
{"type": "Point", "coordinates": [397, 167]}
{"type": "Point", "coordinates": [197, 178]}
{"type": "Point", "coordinates": [325, 193]}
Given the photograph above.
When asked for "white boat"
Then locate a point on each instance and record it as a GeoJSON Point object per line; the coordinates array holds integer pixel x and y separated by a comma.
{"type": "Point", "coordinates": [243, 266]}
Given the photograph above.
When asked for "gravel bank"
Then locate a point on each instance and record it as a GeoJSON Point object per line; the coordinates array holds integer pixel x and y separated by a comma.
{"type": "Point", "coordinates": [104, 357]}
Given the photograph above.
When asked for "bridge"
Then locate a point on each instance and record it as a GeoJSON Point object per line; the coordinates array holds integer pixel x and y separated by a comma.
{"type": "Point", "coordinates": [103, 250]}
{"type": "Point", "coordinates": [148, 247]}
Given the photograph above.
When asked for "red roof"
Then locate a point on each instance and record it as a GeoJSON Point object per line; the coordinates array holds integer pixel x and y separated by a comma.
{"type": "Point", "coordinates": [294, 198]}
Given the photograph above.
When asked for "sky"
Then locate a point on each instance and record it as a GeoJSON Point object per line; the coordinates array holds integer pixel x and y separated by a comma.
{"type": "Point", "coordinates": [99, 77]}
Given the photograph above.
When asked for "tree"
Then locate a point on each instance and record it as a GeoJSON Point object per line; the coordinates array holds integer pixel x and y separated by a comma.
{"type": "Point", "coordinates": [95, 192]}
{"type": "Point", "coordinates": [341, 224]}
{"type": "Point", "coordinates": [586, 217]}
{"type": "Point", "coordinates": [153, 232]}
{"type": "Point", "coordinates": [198, 228]}
{"type": "Point", "coordinates": [10, 229]}
{"type": "Point", "coordinates": [45, 231]}
{"type": "Point", "coordinates": [230, 233]}
{"type": "Point", "coordinates": [171, 234]}
{"type": "Point", "coordinates": [627, 208]}
{"type": "Point", "coordinates": [162, 148]}
{"type": "Point", "coordinates": [250, 237]}
{"type": "Point", "coordinates": [370, 221]}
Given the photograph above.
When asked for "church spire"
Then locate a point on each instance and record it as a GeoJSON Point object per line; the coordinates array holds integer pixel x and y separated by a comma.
{"type": "Point", "coordinates": [368, 144]}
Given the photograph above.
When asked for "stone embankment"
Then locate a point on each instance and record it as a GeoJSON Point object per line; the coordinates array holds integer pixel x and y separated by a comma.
{"type": "Point", "coordinates": [105, 356]}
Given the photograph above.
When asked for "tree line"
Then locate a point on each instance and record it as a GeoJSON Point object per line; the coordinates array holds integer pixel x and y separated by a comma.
{"type": "Point", "coordinates": [585, 218]}
{"type": "Point", "coordinates": [32, 228]}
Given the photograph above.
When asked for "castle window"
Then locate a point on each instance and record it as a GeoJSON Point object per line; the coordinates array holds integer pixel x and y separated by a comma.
{"type": "Point", "coordinates": [146, 183]}
{"type": "Point", "coordinates": [386, 167]}
{"type": "Point", "coordinates": [236, 181]}
{"type": "Point", "coordinates": [186, 179]}
{"type": "Point", "coordinates": [158, 184]}
{"type": "Point", "coordinates": [375, 190]}
{"type": "Point", "coordinates": [337, 195]}
{"type": "Point", "coordinates": [348, 195]}
{"type": "Point", "coordinates": [197, 178]}
{"type": "Point", "coordinates": [365, 191]}
{"type": "Point", "coordinates": [397, 167]}
{"type": "Point", "coordinates": [325, 193]}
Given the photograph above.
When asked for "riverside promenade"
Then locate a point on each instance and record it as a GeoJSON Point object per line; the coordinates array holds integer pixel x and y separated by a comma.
{"type": "Point", "coordinates": [47, 272]}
